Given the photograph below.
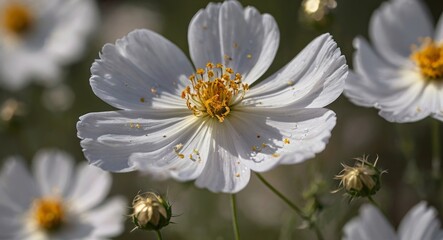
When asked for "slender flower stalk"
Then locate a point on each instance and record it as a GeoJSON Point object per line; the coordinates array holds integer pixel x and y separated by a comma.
{"type": "Point", "coordinates": [309, 219]}
{"type": "Point", "coordinates": [436, 158]}
{"type": "Point", "coordinates": [159, 235]}
{"type": "Point", "coordinates": [234, 217]}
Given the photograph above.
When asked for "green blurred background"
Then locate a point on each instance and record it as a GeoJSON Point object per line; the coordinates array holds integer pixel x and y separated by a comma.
{"type": "Point", "coordinates": [49, 119]}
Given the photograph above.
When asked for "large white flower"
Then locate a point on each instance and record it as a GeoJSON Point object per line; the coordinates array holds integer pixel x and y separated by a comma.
{"type": "Point", "coordinates": [57, 203]}
{"type": "Point", "coordinates": [402, 74]}
{"type": "Point", "coordinates": [213, 123]}
{"type": "Point", "coordinates": [37, 37]}
{"type": "Point", "coordinates": [420, 223]}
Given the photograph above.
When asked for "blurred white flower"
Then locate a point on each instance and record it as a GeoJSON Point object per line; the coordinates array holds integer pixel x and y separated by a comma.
{"type": "Point", "coordinates": [211, 126]}
{"type": "Point", "coordinates": [420, 223]}
{"type": "Point", "coordinates": [37, 37]}
{"type": "Point", "coordinates": [402, 74]}
{"type": "Point", "coordinates": [57, 202]}
{"type": "Point", "coordinates": [125, 17]}
{"type": "Point", "coordinates": [58, 98]}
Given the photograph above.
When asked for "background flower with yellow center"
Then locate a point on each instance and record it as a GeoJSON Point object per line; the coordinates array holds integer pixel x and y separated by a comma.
{"type": "Point", "coordinates": [402, 74]}
{"type": "Point", "coordinates": [204, 129]}
{"type": "Point", "coordinates": [57, 203]}
{"type": "Point", "coordinates": [38, 38]}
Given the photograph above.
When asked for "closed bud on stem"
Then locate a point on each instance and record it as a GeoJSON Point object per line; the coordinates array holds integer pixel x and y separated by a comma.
{"type": "Point", "coordinates": [361, 180]}
{"type": "Point", "coordinates": [151, 211]}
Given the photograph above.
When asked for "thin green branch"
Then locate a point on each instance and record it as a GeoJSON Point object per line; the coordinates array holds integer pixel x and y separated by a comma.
{"type": "Point", "coordinates": [436, 159]}
{"type": "Point", "coordinates": [159, 235]}
{"type": "Point", "coordinates": [234, 217]}
{"type": "Point", "coordinates": [292, 205]}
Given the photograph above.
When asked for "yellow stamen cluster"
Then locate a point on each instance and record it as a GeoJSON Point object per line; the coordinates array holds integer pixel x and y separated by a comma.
{"type": "Point", "coordinates": [213, 90]}
{"type": "Point", "coordinates": [48, 214]}
{"type": "Point", "coordinates": [429, 58]}
{"type": "Point", "coordinates": [16, 19]}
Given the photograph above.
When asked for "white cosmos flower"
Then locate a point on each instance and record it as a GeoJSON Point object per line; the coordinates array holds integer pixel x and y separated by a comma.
{"type": "Point", "coordinates": [402, 73]}
{"type": "Point", "coordinates": [57, 202]}
{"type": "Point", "coordinates": [37, 37]}
{"type": "Point", "coordinates": [213, 123]}
{"type": "Point", "coordinates": [420, 223]}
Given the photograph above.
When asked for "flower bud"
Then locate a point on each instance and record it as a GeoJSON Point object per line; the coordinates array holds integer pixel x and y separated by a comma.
{"type": "Point", "coordinates": [151, 211]}
{"type": "Point", "coordinates": [361, 180]}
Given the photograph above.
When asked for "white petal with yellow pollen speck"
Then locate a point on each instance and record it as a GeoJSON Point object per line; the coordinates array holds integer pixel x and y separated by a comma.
{"type": "Point", "coordinates": [110, 142]}
{"type": "Point", "coordinates": [226, 33]}
{"type": "Point", "coordinates": [223, 173]}
{"type": "Point", "coordinates": [141, 65]}
{"type": "Point", "coordinates": [317, 76]}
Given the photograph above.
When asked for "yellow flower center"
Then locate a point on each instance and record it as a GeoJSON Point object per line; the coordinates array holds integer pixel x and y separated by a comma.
{"type": "Point", "coordinates": [429, 58]}
{"type": "Point", "coordinates": [213, 91]}
{"type": "Point", "coordinates": [48, 214]}
{"type": "Point", "coordinates": [16, 18]}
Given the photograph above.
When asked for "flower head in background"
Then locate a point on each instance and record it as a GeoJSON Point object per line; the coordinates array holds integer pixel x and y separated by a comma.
{"type": "Point", "coordinates": [210, 120]}
{"type": "Point", "coordinates": [151, 211]}
{"type": "Point", "coordinates": [361, 180]}
{"type": "Point", "coordinates": [420, 223]}
{"type": "Point", "coordinates": [402, 74]}
{"type": "Point", "coordinates": [38, 37]}
{"type": "Point", "coordinates": [57, 202]}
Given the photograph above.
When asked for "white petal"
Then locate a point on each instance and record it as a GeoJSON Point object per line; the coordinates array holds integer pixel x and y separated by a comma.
{"type": "Point", "coordinates": [242, 39]}
{"type": "Point", "coordinates": [19, 67]}
{"type": "Point", "coordinates": [90, 187]}
{"type": "Point", "coordinates": [223, 172]}
{"type": "Point", "coordinates": [374, 78]}
{"type": "Point", "coordinates": [439, 30]}
{"type": "Point", "coordinates": [420, 223]}
{"type": "Point", "coordinates": [195, 144]}
{"type": "Point", "coordinates": [314, 78]}
{"type": "Point", "coordinates": [17, 185]}
{"type": "Point", "coordinates": [72, 21]}
{"type": "Point", "coordinates": [204, 36]}
{"type": "Point", "coordinates": [408, 105]}
{"type": "Point", "coordinates": [369, 225]}
{"type": "Point", "coordinates": [289, 136]}
{"type": "Point", "coordinates": [11, 224]}
{"type": "Point", "coordinates": [393, 30]}
{"type": "Point", "coordinates": [438, 110]}
{"type": "Point", "coordinates": [108, 219]}
{"type": "Point", "coordinates": [53, 170]}
{"type": "Point", "coordinates": [141, 70]}
{"type": "Point", "coordinates": [127, 140]}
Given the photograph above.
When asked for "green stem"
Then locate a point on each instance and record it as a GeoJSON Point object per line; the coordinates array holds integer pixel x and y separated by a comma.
{"type": "Point", "coordinates": [234, 217]}
{"type": "Point", "coordinates": [436, 159]}
{"type": "Point", "coordinates": [159, 235]}
{"type": "Point", "coordinates": [292, 205]}
{"type": "Point", "coordinates": [374, 203]}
